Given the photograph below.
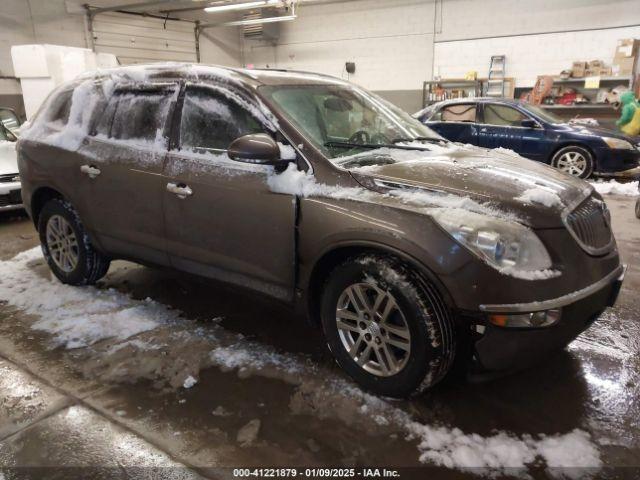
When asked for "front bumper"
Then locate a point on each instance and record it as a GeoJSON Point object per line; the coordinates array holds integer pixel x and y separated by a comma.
{"type": "Point", "coordinates": [504, 349]}
{"type": "Point", "coordinates": [10, 196]}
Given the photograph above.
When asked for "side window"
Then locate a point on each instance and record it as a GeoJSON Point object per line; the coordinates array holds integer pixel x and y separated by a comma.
{"type": "Point", "coordinates": [138, 116]}
{"type": "Point", "coordinates": [502, 115]}
{"type": "Point", "coordinates": [211, 120]}
{"type": "Point", "coordinates": [436, 117]}
{"type": "Point", "coordinates": [459, 113]}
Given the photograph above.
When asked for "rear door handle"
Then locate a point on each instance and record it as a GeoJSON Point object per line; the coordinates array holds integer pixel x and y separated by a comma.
{"type": "Point", "coordinates": [90, 170]}
{"type": "Point", "coordinates": [181, 190]}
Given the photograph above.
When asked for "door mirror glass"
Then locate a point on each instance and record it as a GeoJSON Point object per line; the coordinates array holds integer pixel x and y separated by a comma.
{"type": "Point", "coordinates": [528, 123]}
{"type": "Point", "coordinates": [257, 148]}
{"type": "Point", "coordinates": [9, 119]}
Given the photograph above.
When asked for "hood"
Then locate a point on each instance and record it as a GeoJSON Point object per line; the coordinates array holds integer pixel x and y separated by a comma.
{"type": "Point", "coordinates": [499, 179]}
{"type": "Point", "coordinates": [590, 131]}
{"type": "Point", "coordinates": [8, 158]}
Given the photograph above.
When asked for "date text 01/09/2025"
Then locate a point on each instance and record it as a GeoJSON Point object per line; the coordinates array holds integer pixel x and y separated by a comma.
{"type": "Point", "coordinates": [315, 473]}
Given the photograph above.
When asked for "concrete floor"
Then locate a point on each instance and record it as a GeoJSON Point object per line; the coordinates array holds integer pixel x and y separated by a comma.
{"type": "Point", "coordinates": [105, 412]}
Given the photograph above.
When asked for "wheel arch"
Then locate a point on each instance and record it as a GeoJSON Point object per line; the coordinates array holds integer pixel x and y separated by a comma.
{"type": "Point", "coordinates": [336, 254]}
{"type": "Point", "coordinates": [39, 198]}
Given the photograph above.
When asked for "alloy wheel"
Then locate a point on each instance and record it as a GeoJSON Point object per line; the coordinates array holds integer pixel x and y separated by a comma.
{"type": "Point", "coordinates": [62, 243]}
{"type": "Point", "coordinates": [373, 329]}
{"type": "Point", "coordinates": [573, 163]}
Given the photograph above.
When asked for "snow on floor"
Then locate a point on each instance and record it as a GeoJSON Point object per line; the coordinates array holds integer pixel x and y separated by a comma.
{"type": "Point", "coordinates": [80, 316]}
{"type": "Point", "coordinates": [75, 317]}
{"type": "Point", "coordinates": [613, 187]}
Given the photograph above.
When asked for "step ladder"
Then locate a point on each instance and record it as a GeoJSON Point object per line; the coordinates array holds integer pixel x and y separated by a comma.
{"type": "Point", "coordinates": [495, 80]}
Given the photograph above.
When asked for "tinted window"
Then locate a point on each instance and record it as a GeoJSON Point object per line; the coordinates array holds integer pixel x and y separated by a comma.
{"type": "Point", "coordinates": [211, 120]}
{"type": "Point", "coordinates": [458, 113]}
{"type": "Point", "coordinates": [502, 115]}
{"type": "Point", "coordinates": [139, 116]}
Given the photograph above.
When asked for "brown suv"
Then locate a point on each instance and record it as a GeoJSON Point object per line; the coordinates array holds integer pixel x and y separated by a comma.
{"type": "Point", "coordinates": [409, 250]}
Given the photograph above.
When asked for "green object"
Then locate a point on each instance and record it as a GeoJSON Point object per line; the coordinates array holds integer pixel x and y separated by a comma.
{"type": "Point", "coordinates": [629, 106]}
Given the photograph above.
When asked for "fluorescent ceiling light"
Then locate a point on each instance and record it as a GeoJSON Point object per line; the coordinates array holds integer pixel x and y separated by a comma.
{"type": "Point", "coordinates": [258, 21]}
{"type": "Point", "coordinates": [242, 6]}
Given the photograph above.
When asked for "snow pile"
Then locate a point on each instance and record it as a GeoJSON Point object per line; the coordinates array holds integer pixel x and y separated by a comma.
{"type": "Point", "coordinates": [506, 151]}
{"type": "Point", "coordinates": [530, 274]}
{"type": "Point", "coordinates": [296, 182]}
{"type": "Point", "coordinates": [75, 317]}
{"type": "Point", "coordinates": [542, 196]}
{"type": "Point", "coordinates": [287, 152]}
{"type": "Point", "coordinates": [81, 316]}
{"type": "Point", "coordinates": [613, 187]}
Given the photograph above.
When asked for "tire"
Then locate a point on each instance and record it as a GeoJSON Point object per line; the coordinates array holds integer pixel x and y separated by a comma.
{"type": "Point", "coordinates": [420, 322]}
{"type": "Point", "coordinates": [76, 262]}
{"type": "Point", "coordinates": [574, 160]}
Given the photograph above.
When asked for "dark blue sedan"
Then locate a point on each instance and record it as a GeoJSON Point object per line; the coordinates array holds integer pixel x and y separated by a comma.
{"type": "Point", "coordinates": [534, 133]}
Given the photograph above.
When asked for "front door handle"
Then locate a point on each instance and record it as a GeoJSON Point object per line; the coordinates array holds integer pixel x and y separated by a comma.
{"type": "Point", "coordinates": [483, 130]}
{"type": "Point", "coordinates": [181, 190]}
{"type": "Point", "coordinates": [90, 170]}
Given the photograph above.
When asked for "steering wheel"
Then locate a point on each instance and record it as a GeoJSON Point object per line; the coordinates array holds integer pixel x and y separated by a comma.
{"type": "Point", "coordinates": [360, 137]}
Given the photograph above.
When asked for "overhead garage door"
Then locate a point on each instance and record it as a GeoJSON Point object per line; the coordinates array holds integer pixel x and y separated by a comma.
{"type": "Point", "coordinates": [141, 39]}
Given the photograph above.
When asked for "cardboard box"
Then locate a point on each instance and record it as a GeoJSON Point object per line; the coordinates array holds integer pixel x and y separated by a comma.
{"type": "Point", "coordinates": [605, 72]}
{"type": "Point", "coordinates": [627, 48]}
{"type": "Point", "coordinates": [623, 67]}
{"type": "Point", "coordinates": [595, 64]}
{"type": "Point", "coordinates": [578, 69]}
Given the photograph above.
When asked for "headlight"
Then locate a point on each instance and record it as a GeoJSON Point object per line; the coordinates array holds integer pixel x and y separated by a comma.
{"type": "Point", "coordinates": [617, 143]}
{"type": "Point", "coordinates": [507, 246]}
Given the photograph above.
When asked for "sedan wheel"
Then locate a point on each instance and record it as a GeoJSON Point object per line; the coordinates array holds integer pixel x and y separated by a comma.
{"type": "Point", "coordinates": [373, 329]}
{"type": "Point", "coordinates": [574, 160]}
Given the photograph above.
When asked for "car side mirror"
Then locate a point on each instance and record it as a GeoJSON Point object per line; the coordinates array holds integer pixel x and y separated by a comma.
{"type": "Point", "coordinates": [528, 123]}
{"type": "Point", "coordinates": [9, 119]}
{"type": "Point", "coordinates": [256, 148]}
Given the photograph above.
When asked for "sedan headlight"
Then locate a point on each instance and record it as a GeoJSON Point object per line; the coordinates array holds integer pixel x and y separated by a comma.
{"type": "Point", "coordinates": [617, 143]}
{"type": "Point", "coordinates": [507, 246]}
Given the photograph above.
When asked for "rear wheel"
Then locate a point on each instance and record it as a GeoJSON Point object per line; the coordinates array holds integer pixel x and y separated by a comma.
{"type": "Point", "coordinates": [574, 160]}
{"type": "Point", "coordinates": [67, 247]}
{"type": "Point", "coordinates": [387, 328]}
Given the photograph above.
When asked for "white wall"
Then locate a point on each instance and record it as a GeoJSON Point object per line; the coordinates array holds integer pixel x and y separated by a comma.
{"type": "Point", "coordinates": [398, 44]}
{"type": "Point", "coordinates": [391, 42]}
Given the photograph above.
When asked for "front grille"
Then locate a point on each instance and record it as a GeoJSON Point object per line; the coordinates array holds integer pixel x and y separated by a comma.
{"type": "Point", "coordinates": [13, 198]}
{"type": "Point", "coordinates": [9, 177]}
{"type": "Point", "coordinates": [590, 225]}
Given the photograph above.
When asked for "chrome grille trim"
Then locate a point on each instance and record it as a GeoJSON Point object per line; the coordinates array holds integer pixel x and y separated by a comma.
{"type": "Point", "coordinates": [589, 223]}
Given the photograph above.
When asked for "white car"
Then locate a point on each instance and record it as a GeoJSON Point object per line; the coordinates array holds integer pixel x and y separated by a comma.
{"type": "Point", "coordinates": [10, 188]}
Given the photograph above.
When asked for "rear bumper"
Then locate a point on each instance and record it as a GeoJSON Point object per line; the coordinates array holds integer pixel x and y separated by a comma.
{"type": "Point", "coordinates": [504, 349]}
{"type": "Point", "coordinates": [615, 161]}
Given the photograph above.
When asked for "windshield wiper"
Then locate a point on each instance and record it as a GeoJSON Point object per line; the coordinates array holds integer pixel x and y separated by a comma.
{"type": "Point", "coordinates": [352, 145]}
{"type": "Point", "coordinates": [372, 146]}
{"type": "Point", "coordinates": [423, 139]}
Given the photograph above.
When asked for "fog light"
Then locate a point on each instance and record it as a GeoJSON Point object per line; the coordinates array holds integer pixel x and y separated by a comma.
{"type": "Point", "coordinates": [544, 318]}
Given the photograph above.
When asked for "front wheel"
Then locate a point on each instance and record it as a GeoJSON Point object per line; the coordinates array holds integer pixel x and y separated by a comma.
{"type": "Point", "coordinates": [574, 160]}
{"type": "Point", "coordinates": [67, 247]}
{"type": "Point", "coordinates": [386, 327]}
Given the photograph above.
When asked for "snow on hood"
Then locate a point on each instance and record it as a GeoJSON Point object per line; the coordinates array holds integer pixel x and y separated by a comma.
{"type": "Point", "coordinates": [535, 192]}
{"type": "Point", "coordinates": [8, 159]}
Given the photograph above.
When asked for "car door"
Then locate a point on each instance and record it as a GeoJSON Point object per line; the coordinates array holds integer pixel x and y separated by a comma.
{"type": "Point", "coordinates": [457, 122]}
{"type": "Point", "coordinates": [502, 126]}
{"type": "Point", "coordinates": [121, 172]}
{"type": "Point", "coordinates": [221, 219]}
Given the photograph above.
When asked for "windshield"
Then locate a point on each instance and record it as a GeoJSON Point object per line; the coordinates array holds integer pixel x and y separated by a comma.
{"type": "Point", "coordinates": [344, 120]}
{"type": "Point", "coordinates": [545, 115]}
